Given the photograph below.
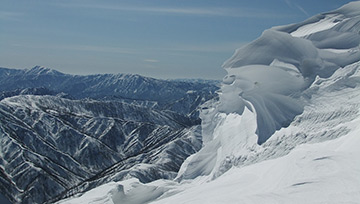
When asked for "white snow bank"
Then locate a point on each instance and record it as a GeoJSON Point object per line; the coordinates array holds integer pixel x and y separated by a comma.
{"type": "Point", "coordinates": [211, 159]}
{"type": "Point", "coordinates": [324, 24]}
{"type": "Point", "coordinates": [276, 45]}
{"type": "Point", "coordinates": [130, 192]}
{"type": "Point", "coordinates": [326, 172]}
{"type": "Point", "coordinates": [268, 89]}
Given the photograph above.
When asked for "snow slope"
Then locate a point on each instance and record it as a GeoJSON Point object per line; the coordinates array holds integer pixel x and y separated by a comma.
{"type": "Point", "coordinates": [312, 172]}
{"type": "Point", "coordinates": [286, 128]}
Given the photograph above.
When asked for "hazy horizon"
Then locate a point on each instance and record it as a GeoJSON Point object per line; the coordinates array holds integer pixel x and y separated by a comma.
{"type": "Point", "coordinates": [161, 39]}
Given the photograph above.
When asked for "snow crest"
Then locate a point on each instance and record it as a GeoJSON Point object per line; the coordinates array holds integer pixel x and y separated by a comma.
{"type": "Point", "coordinates": [273, 71]}
{"type": "Point", "coordinates": [270, 83]}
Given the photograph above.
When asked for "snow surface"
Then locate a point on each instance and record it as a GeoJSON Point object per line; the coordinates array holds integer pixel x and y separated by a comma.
{"type": "Point", "coordinates": [286, 127]}
{"type": "Point", "coordinates": [324, 24]}
{"type": "Point", "coordinates": [313, 173]}
{"type": "Point", "coordinates": [273, 71]}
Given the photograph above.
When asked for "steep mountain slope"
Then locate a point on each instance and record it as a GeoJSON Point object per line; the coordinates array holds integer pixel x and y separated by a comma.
{"type": "Point", "coordinates": [50, 144]}
{"type": "Point", "coordinates": [286, 127]}
{"type": "Point", "coordinates": [26, 91]}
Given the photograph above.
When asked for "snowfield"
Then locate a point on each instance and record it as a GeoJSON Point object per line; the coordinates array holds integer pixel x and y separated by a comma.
{"type": "Point", "coordinates": [285, 130]}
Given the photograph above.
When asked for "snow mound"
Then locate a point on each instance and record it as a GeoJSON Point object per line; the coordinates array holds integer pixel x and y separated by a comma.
{"type": "Point", "coordinates": [130, 192]}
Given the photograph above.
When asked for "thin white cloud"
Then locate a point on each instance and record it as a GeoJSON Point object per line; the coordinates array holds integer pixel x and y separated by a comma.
{"type": "Point", "coordinates": [6, 15]}
{"type": "Point", "coordinates": [188, 11]}
{"type": "Point", "coordinates": [207, 12]}
{"type": "Point", "coordinates": [289, 4]}
{"type": "Point", "coordinates": [211, 47]}
{"type": "Point", "coordinates": [97, 49]}
{"type": "Point", "coordinates": [173, 49]}
{"type": "Point", "coordinates": [302, 10]}
{"type": "Point", "coordinates": [73, 47]}
{"type": "Point", "coordinates": [151, 60]}
{"type": "Point", "coordinates": [293, 5]}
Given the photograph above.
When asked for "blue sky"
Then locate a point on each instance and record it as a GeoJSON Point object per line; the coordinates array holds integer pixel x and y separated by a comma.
{"type": "Point", "coordinates": [157, 38]}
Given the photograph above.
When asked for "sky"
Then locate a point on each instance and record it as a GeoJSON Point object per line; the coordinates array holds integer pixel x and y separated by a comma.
{"type": "Point", "coordinates": [156, 38]}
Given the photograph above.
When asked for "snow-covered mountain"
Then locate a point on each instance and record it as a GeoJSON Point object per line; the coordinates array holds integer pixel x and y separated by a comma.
{"type": "Point", "coordinates": [286, 128]}
{"type": "Point", "coordinates": [62, 134]}
{"type": "Point", "coordinates": [181, 96]}
{"type": "Point", "coordinates": [131, 88]}
{"type": "Point", "coordinates": [50, 145]}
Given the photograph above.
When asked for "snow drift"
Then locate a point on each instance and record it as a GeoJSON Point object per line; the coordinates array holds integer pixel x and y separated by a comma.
{"type": "Point", "coordinates": [270, 79]}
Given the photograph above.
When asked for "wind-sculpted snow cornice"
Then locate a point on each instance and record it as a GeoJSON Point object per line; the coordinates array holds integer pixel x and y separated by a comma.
{"type": "Point", "coordinates": [272, 72]}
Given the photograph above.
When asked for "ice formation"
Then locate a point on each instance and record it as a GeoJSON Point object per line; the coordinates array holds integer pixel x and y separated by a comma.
{"type": "Point", "coordinates": [272, 71]}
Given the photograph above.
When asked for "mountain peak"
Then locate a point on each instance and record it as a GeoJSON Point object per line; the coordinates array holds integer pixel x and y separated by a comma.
{"type": "Point", "coordinates": [40, 70]}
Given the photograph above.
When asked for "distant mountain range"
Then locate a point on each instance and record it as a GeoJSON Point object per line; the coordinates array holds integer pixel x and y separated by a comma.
{"type": "Point", "coordinates": [62, 134]}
